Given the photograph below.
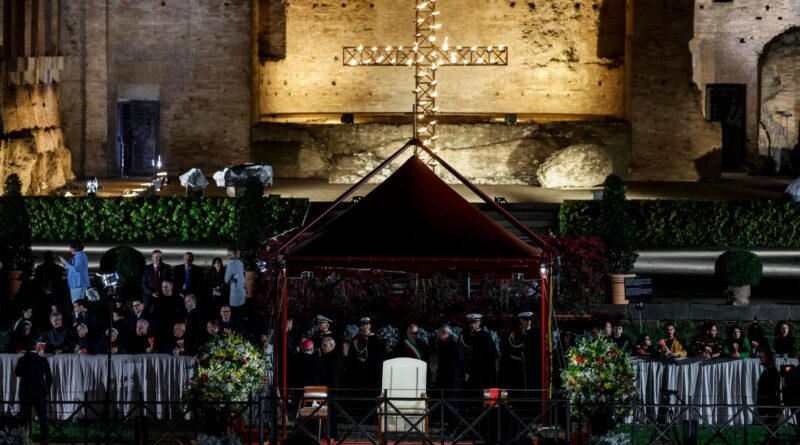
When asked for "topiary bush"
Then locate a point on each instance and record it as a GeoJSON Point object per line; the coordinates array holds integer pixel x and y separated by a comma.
{"type": "Point", "coordinates": [125, 260]}
{"type": "Point", "coordinates": [738, 268]}
{"type": "Point", "coordinates": [616, 227]}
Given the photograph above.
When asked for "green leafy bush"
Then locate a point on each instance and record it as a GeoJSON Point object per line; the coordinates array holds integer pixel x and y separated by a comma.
{"type": "Point", "coordinates": [616, 228]}
{"type": "Point", "coordinates": [738, 268]}
{"type": "Point", "coordinates": [126, 260]}
{"type": "Point", "coordinates": [683, 223]}
{"type": "Point", "coordinates": [15, 230]}
{"type": "Point", "coordinates": [155, 219]}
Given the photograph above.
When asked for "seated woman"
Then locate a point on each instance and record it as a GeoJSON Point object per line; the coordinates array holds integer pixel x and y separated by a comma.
{"type": "Point", "coordinates": [736, 345]}
{"type": "Point", "coordinates": [758, 341]}
{"type": "Point", "coordinates": [21, 337]}
{"type": "Point", "coordinates": [708, 345]}
{"type": "Point", "coordinates": [644, 347]}
{"type": "Point", "coordinates": [82, 342]}
{"type": "Point", "coordinates": [106, 344]}
{"type": "Point", "coordinates": [784, 340]}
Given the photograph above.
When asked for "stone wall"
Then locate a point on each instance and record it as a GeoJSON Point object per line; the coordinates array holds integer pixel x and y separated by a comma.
{"type": "Point", "coordinates": [484, 153]}
{"type": "Point", "coordinates": [565, 56]}
{"type": "Point", "coordinates": [780, 97]}
{"type": "Point", "coordinates": [196, 53]}
{"type": "Point", "coordinates": [729, 38]}
{"type": "Point", "coordinates": [33, 144]}
{"type": "Point", "coordinates": [671, 140]}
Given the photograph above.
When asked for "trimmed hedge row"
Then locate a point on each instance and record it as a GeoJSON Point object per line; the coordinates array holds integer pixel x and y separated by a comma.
{"type": "Point", "coordinates": [683, 223]}
{"type": "Point", "coordinates": [153, 219]}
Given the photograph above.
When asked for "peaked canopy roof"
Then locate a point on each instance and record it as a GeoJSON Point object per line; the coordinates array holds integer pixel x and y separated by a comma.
{"type": "Point", "coordinates": [413, 217]}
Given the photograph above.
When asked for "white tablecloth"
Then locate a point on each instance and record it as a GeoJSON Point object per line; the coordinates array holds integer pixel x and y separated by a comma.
{"type": "Point", "coordinates": [76, 378]}
{"type": "Point", "coordinates": [730, 384]}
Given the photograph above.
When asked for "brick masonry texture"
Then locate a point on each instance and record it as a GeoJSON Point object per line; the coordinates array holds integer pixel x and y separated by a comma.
{"type": "Point", "coordinates": [729, 39]}
{"type": "Point", "coordinates": [198, 54]}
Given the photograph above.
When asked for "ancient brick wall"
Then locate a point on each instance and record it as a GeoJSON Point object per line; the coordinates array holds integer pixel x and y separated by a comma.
{"type": "Point", "coordinates": [729, 38]}
{"type": "Point", "coordinates": [565, 56]}
{"type": "Point", "coordinates": [195, 53]}
{"type": "Point", "coordinates": [671, 140]}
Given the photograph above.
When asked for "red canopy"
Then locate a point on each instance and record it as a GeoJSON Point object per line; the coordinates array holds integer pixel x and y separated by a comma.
{"type": "Point", "coordinates": [413, 221]}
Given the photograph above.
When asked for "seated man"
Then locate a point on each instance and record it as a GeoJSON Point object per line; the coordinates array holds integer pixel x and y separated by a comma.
{"type": "Point", "coordinates": [111, 343]}
{"type": "Point", "coordinates": [227, 324]}
{"type": "Point", "coordinates": [142, 342]}
{"type": "Point", "coordinates": [176, 345]}
{"type": "Point", "coordinates": [58, 339]}
{"type": "Point", "coordinates": [671, 347]}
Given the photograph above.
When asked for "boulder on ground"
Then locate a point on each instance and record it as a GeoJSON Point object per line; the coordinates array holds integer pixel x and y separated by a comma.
{"type": "Point", "coordinates": [582, 165]}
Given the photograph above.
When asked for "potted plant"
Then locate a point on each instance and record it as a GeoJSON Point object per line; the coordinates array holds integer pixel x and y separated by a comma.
{"type": "Point", "coordinates": [15, 234]}
{"type": "Point", "coordinates": [617, 232]}
{"type": "Point", "coordinates": [738, 270]}
{"type": "Point", "coordinates": [599, 380]}
{"type": "Point", "coordinates": [249, 228]}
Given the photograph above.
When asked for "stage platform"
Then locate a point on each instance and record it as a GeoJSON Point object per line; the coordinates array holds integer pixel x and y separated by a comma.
{"type": "Point", "coordinates": [735, 186]}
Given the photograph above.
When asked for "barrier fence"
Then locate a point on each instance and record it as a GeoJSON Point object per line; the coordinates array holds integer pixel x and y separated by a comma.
{"type": "Point", "coordinates": [439, 418]}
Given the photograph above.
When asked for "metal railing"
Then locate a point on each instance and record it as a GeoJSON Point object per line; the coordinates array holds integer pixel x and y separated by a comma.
{"type": "Point", "coordinates": [438, 418]}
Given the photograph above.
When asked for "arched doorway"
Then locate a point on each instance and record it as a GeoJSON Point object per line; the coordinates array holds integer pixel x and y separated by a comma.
{"type": "Point", "coordinates": [779, 100]}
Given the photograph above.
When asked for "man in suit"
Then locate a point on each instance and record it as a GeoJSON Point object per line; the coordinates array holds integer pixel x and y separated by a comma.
{"type": "Point", "coordinates": [154, 274]}
{"type": "Point", "coordinates": [34, 387]}
{"type": "Point", "coordinates": [228, 324]}
{"type": "Point", "coordinates": [188, 277]}
{"type": "Point", "coordinates": [194, 326]}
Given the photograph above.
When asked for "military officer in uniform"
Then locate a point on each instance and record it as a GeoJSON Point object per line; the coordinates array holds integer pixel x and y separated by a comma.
{"type": "Point", "coordinates": [480, 354]}
{"type": "Point", "coordinates": [521, 358]}
{"type": "Point", "coordinates": [366, 357]}
{"type": "Point", "coordinates": [324, 330]}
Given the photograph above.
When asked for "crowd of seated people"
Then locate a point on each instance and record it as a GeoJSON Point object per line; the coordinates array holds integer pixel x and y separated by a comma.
{"type": "Point", "coordinates": [708, 344]}
{"type": "Point", "coordinates": [178, 310]}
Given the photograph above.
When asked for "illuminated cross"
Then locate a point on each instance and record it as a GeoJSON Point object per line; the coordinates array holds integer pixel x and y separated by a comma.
{"type": "Point", "coordinates": [426, 56]}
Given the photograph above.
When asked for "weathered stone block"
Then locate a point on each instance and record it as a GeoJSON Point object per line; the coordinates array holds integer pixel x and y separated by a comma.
{"type": "Point", "coordinates": [582, 165]}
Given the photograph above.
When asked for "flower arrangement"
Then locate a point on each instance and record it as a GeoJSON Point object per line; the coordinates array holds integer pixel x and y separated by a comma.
{"type": "Point", "coordinates": [599, 375]}
{"type": "Point", "coordinates": [228, 370]}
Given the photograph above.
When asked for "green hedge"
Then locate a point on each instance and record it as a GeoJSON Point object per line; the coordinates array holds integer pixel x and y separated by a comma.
{"type": "Point", "coordinates": [172, 219]}
{"type": "Point", "coordinates": [683, 223]}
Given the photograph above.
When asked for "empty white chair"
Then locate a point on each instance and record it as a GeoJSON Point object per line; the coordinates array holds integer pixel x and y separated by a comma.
{"type": "Point", "coordinates": [403, 378]}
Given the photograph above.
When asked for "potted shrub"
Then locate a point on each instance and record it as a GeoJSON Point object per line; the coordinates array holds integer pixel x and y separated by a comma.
{"type": "Point", "coordinates": [249, 228]}
{"type": "Point", "coordinates": [617, 232]}
{"type": "Point", "coordinates": [15, 234]}
{"type": "Point", "coordinates": [738, 270]}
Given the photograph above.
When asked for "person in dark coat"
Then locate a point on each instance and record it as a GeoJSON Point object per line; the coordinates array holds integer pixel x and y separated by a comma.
{"type": "Point", "coordinates": [758, 341]}
{"type": "Point", "coordinates": [194, 325]}
{"type": "Point", "coordinates": [34, 387]}
{"type": "Point", "coordinates": [784, 340]}
{"type": "Point", "coordinates": [449, 371]}
{"type": "Point", "coordinates": [768, 390]}
{"type": "Point", "coordinates": [332, 377]}
{"type": "Point", "coordinates": [188, 278]}
{"type": "Point", "coordinates": [21, 337]}
{"type": "Point", "coordinates": [323, 330]}
{"type": "Point", "coordinates": [228, 324]}
{"type": "Point", "coordinates": [366, 359]}
{"type": "Point", "coordinates": [620, 339]}
{"type": "Point", "coordinates": [216, 286]}
{"type": "Point", "coordinates": [165, 310]}
{"type": "Point", "coordinates": [480, 354]}
{"type": "Point", "coordinates": [58, 339]}
{"type": "Point", "coordinates": [111, 341]}
{"type": "Point", "coordinates": [309, 366]}
{"type": "Point", "coordinates": [154, 275]}
{"type": "Point", "coordinates": [412, 346]}
{"type": "Point", "coordinates": [521, 359]}
{"type": "Point", "coordinates": [49, 289]}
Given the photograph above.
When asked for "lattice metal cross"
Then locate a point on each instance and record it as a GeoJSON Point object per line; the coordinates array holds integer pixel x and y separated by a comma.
{"type": "Point", "coordinates": [426, 56]}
